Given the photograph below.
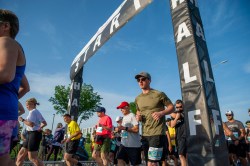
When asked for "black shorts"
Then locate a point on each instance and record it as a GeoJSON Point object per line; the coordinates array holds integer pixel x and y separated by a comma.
{"type": "Point", "coordinates": [157, 141]}
{"type": "Point", "coordinates": [131, 154]}
{"type": "Point", "coordinates": [71, 146]}
{"type": "Point", "coordinates": [33, 141]}
{"type": "Point", "coordinates": [181, 146]}
{"type": "Point", "coordinates": [239, 150]}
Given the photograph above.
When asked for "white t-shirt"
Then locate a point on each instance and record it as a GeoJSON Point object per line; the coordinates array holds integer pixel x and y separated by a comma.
{"type": "Point", "coordinates": [130, 139]}
{"type": "Point", "coordinates": [36, 117]}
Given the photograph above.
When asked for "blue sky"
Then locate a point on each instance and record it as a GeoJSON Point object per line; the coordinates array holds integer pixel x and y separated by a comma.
{"type": "Point", "coordinates": [52, 33]}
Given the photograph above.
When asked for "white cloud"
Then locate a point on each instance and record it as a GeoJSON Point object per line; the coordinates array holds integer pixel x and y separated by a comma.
{"type": "Point", "coordinates": [44, 84]}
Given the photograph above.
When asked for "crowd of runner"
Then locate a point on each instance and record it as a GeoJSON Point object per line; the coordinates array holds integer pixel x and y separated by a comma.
{"type": "Point", "coordinates": [160, 139]}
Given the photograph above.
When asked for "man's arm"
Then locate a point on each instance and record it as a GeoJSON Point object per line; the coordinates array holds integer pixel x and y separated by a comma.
{"type": "Point", "coordinates": [242, 134]}
{"type": "Point", "coordinates": [134, 129]}
{"type": "Point", "coordinates": [168, 110]}
{"type": "Point", "coordinates": [176, 116]}
{"type": "Point", "coordinates": [75, 134]}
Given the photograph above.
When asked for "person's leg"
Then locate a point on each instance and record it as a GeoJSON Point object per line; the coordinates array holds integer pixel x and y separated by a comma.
{"type": "Point", "coordinates": [183, 160]}
{"type": "Point", "coordinates": [134, 155]}
{"type": "Point", "coordinates": [105, 151]}
{"type": "Point", "coordinates": [56, 150]}
{"type": "Point", "coordinates": [50, 152]}
{"type": "Point", "coordinates": [6, 129]}
{"type": "Point", "coordinates": [33, 157]}
{"type": "Point", "coordinates": [22, 154]}
{"type": "Point", "coordinates": [157, 149]}
{"type": "Point", "coordinates": [96, 155]}
{"type": "Point", "coordinates": [71, 148]}
{"type": "Point", "coordinates": [70, 160]}
{"type": "Point", "coordinates": [241, 154]}
{"type": "Point", "coordinates": [33, 146]}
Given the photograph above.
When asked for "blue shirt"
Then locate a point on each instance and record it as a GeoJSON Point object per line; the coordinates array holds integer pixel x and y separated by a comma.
{"type": "Point", "coordinates": [9, 96]}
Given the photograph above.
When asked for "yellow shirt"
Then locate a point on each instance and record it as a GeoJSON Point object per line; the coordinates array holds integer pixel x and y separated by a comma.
{"type": "Point", "coordinates": [171, 131]}
{"type": "Point", "coordinates": [72, 129]}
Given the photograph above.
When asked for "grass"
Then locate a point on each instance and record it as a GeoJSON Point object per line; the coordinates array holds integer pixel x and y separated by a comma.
{"type": "Point", "coordinates": [14, 152]}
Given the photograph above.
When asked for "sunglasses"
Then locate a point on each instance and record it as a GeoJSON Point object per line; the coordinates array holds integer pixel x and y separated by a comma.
{"type": "Point", "coordinates": [228, 115]}
{"type": "Point", "coordinates": [141, 79]}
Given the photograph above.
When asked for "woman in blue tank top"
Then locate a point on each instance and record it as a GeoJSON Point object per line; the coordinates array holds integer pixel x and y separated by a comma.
{"type": "Point", "coordinates": [12, 67]}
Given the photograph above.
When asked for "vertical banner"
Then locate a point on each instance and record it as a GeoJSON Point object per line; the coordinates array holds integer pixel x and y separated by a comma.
{"type": "Point", "coordinates": [205, 136]}
{"type": "Point", "coordinates": [74, 97]}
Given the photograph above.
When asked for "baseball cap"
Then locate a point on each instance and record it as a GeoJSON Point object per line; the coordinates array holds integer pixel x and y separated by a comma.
{"type": "Point", "coordinates": [118, 118]}
{"type": "Point", "coordinates": [122, 105]}
{"type": "Point", "coordinates": [229, 112]}
{"type": "Point", "coordinates": [143, 74]}
{"type": "Point", "coordinates": [101, 109]}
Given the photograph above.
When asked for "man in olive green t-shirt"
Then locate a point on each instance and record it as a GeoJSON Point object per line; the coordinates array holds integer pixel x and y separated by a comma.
{"type": "Point", "coordinates": [152, 106]}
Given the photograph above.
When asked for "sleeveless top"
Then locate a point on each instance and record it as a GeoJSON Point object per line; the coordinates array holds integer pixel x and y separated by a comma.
{"type": "Point", "coordinates": [9, 96]}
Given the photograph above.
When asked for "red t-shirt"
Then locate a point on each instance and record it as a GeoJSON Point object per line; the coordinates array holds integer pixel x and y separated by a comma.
{"type": "Point", "coordinates": [107, 122]}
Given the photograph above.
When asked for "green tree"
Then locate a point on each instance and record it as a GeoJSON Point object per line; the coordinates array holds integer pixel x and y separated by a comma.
{"type": "Point", "coordinates": [89, 100]}
{"type": "Point", "coordinates": [132, 107]}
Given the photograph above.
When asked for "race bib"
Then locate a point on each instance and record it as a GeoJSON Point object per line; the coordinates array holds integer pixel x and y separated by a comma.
{"type": "Point", "coordinates": [124, 134]}
{"type": "Point", "coordinates": [236, 134]}
{"type": "Point", "coordinates": [154, 154]}
{"type": "Point", "coordinates": [99, 130]}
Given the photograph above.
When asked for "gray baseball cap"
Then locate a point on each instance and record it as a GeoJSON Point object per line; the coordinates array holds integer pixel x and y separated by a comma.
{"type": "Point", "coordinates": [143, 74]}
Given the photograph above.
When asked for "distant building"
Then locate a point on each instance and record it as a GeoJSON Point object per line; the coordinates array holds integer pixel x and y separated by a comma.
{"type": "Point", "coordinates": [88, 130]}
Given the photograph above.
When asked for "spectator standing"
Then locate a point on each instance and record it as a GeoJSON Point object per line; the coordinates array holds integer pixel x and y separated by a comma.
{"type": "Point", "coordinates": [102, 138]}
{"type": "Point", "coordinates": [115, 142]}
{"type": "Point", "coordinates": [12, 67]}
{"type": "Point", "coordinates": [247, 138]}
{"type": "Point", "coordinates": [173, 150]}
{"type": "Point", "coordinates": [34, 125]}
{"type": "Point", "coordinates": [23, 137]}
{"type": "Point", "coordinates": [45, 144]}
{"type": "Point", "coordinates": [56, 142]}
{"type": "Point", "coordinates": [73, 137]}
{"type": "Point", "coordinates": [236, 146]}
{"type": "Point", "coordinates": [179, 123]}
{"type": "Point", "coordinates": [152, 106]}
{"type": "Point", "coordinates": [93, 135]}
{"type": "Point", "coordinates": [130, 147]}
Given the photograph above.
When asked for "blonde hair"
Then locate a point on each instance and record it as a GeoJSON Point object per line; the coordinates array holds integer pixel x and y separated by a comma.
{"type": "Point", "coordinates": [32, 100]}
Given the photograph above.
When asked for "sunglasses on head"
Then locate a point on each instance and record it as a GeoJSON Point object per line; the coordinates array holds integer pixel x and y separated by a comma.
{"type": "Point", "coordinates": [141, 79]}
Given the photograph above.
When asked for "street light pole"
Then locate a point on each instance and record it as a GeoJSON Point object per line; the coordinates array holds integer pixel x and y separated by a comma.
{"type": "Point", "coordinates": [53, 122]}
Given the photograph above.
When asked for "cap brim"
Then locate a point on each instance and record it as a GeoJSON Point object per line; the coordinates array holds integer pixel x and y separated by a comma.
{"type": "Point", "coordinates": [138, 76]}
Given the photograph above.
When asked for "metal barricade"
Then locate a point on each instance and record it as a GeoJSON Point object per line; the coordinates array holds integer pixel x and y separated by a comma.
{"type": "Point", "coordinates": [60, 163]}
